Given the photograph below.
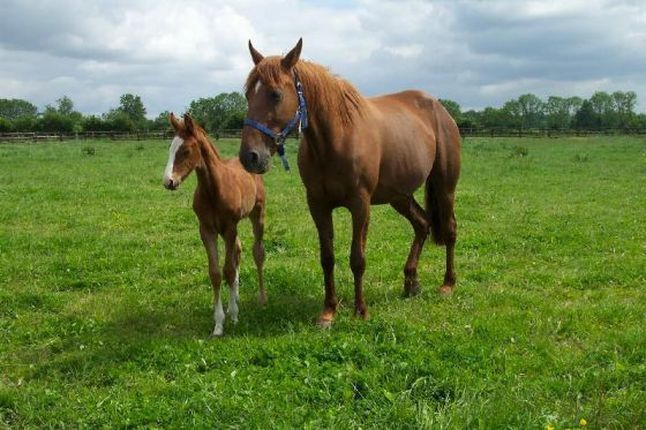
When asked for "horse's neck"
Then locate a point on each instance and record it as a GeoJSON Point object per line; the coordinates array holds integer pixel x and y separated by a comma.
{"type": "Point", "coordinates": [324, 133]}
{"type": "Point", "coordinates": [327, 128]}
{"type": "Point", "coordinates": [209, 172]}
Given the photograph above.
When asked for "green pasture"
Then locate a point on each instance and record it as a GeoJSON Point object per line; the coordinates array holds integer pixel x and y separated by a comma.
{"type": "Point", "coordinates": [105, 303]}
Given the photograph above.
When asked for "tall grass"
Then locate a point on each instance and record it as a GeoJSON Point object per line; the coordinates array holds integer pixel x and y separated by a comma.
{"type": "Point", "coordinates": [105, 305]}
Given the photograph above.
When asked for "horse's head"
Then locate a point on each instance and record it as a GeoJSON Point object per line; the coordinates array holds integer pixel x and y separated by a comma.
{"type": "Point", "coordinates": [273, 106]}
{"type": "Point", "coordinates": [184, 153]}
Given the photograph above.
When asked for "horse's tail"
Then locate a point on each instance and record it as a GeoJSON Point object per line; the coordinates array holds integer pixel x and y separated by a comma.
{"type": "Point", "coordinates": [433, 211]}
{"type": "Point", "coordinates": [440, 184]}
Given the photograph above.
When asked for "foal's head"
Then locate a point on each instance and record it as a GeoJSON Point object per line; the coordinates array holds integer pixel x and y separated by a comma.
{"type": "Point", "coordinates": [184, 154]}
{"type": "Point", "coordinates": [272, 99]}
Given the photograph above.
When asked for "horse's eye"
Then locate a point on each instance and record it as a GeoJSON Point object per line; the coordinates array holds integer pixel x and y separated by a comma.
{"type": "Point", "coordinates": [276, 95]}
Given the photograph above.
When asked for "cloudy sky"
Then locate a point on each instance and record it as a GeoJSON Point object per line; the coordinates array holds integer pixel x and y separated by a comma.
{"type": "Point", "coordinates": [479, 53]}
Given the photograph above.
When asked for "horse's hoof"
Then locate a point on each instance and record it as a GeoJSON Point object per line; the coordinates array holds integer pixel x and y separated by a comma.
{"type": "Point", "coordinates": [217, 332]}
{"type": "Point", "coordinates": [412, 288]}
{"type": "Point", "coordinates": [262, 300]}
{"type": "Point", "coordinates": [447, 289]}
{"type": "Point", "coordinates": [361, 313]}
{"type": "Point", "coordinates": [325, 319]}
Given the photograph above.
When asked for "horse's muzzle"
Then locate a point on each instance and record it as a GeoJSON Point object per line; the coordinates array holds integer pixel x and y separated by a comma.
{"type": "Point", "coordinates": [255, 161]}
{"type": "Point", "coordinates": [171, 184]}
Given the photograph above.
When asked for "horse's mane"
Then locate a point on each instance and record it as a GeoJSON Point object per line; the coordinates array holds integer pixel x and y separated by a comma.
{"type": "Point", "coordinates": [324, 91]}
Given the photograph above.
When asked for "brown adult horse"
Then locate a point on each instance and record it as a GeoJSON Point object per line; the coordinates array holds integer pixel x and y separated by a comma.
{"type": "Point", "coordinates": [225, 194]}
{"type": "Point", "coordinates": [355, 152]}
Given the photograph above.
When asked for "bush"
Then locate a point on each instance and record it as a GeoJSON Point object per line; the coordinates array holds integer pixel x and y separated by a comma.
{"type": "Point", "coordinates": [5, 125]}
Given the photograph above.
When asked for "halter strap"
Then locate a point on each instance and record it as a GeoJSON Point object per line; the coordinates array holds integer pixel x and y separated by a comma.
{"type": "Point", "coordinates": [299, 119]}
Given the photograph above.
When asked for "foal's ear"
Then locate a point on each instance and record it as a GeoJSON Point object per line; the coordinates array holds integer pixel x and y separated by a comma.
{"type": "Point", "coordinates": [292, 56]}
{"type": "Point", "coordinates": [189, 124]}
{"type": "Point", "coordinates": [174, 122]}
{"type": "Point", "coordinates": [256, 56]}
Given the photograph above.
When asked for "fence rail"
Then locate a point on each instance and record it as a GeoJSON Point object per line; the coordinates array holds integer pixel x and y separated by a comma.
{"type": "Point", "coordinates": [547, 132]}
{"type": "Point", "coordinates": [236, 133]}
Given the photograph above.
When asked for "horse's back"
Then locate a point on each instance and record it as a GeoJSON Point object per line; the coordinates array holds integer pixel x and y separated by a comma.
{"type": "Point", "coordinates": [416, 136]}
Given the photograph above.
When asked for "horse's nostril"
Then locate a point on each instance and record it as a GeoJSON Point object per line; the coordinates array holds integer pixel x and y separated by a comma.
{"type": "Point", "coordinates": [253, 157]}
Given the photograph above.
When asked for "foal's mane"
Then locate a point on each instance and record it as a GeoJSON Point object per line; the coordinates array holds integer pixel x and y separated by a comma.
{"type": "Point", "coordinates": [324, 91]}
{"type": "Point", "coordinates": [200, 134]}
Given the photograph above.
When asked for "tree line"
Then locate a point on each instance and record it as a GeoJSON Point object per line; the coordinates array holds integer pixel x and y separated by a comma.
{"type": "Point", "coordinates": [601, 111]}
{"type": "Point", "coordinates": [227, 111]}
{"type": "Point", "coordinates": [224, 111]}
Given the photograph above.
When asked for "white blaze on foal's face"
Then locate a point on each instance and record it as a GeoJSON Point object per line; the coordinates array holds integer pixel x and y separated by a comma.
{"type": "Point", "coordinates": [170, 180]}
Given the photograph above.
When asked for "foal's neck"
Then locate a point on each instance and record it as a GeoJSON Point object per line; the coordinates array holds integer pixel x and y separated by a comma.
{"type": "Point", "coordinates": [208, 171]}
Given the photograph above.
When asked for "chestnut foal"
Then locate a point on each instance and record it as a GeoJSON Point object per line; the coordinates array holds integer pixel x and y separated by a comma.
{"type": "Point", "coordinates": [225, 194]}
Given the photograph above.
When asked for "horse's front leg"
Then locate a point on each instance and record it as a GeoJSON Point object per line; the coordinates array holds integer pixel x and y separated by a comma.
{"type": "Point", "coordinates": [360, 210]}
{"type": "Point", "coordinates": [322, 216]}
{"type": "Point", "coordinates": [209, 239]}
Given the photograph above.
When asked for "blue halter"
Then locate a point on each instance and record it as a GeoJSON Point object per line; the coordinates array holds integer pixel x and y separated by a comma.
{"type": "Point", "coordinates": [299, 119]}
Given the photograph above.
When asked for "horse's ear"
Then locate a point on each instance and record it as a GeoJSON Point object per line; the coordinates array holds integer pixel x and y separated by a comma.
{"type": "Point", "coordinates": [256, 56]}
{"type": "Point", "coordinates": [174, 122]}
{"type": "Point", "coordinates": [189, 124]}
{"type": "Point", "coordinates": [292, 56]}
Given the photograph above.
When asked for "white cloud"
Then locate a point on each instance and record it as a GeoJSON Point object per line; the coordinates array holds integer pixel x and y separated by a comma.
{"type": "Point", "coordinates": [477, 53]}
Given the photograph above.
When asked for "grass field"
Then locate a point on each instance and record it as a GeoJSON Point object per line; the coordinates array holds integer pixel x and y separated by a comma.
{"type": "Point", "coordinates": [105, 304]}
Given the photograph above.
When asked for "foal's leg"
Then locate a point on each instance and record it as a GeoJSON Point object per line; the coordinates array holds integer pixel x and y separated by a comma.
{"type": "Point", "coordinates": [234, 296]}
{"type": "Point", "coordinates": [231, 273]}
{"type": "Point", "coordinates": [412, 211]}
{"type": "Point", "coordinates": [360, 211]}
{"type": "Point", "coordinates": [257, 218]}
{"type": "Point", "coordinates": [209, 239]}
{"type": "Point", "coordinates": [322, 216]}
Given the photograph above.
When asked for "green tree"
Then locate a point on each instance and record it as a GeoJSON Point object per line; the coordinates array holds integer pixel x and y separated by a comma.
{"type": "Point", "coordinates": [226, 110]}
{"type": "Point", "coordinates": [12, 109]}
{"type": "Point", "coordinates": [491, 117]}
{"type": "Point", "coordinates": [65, 106]}
{"type": "Point", "coordinates": [53, 121]}
{"type": "Point", "coordinates": [511, 115]}
{"type": "Point", "coordinates": [453, 108]}
{"type": "Point", "coordinates": [5, 125]}
{"type": "Point", "coordinates": [95, 123]}
{"type": "Point", "coordinates": [118, 120]}
{"type": "Point", "coordinates": [603, 106]}
{"type": "Point", "coordinates": [132, 106]}
{"type": "Point", "coordinates": [470, 119]}
{"type": "Point", "coordinates": [161, 122]}
{"type": "Point", "coordinates": [531, 110]}
{"type": "Point", "coordinates": [557, 111]}
{"type": "Point", "coordinates": [586, 117]}
{"type": "Point", "coordinates": [625, 103]}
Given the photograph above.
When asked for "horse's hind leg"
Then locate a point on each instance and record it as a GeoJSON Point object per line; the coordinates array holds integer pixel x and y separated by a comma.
{"type": "Point", "coordinates": [440, 196]}
{"type": "Point", "coordinates": [412, 211]}
{"type": "Point", "coordinates": [449, 230]}
{"type": "Point", "coordinates": [257, 218]}
{"type": "Point", "coordinates": [209, 239]}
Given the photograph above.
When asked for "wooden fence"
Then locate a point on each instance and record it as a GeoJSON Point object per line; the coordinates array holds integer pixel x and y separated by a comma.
{"type": "Point", "coordinates": [236, 133]}
{"type": "Point", "coordinates": [547, 132]}
{"type": "Point", "coordinates": [104, 135]}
